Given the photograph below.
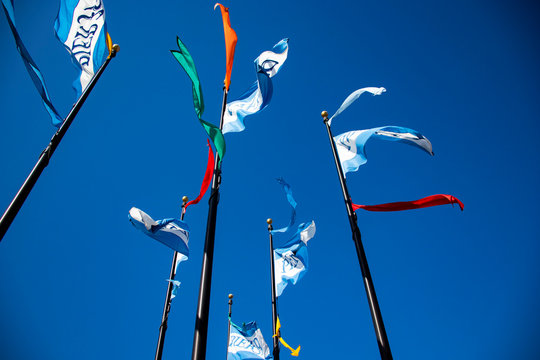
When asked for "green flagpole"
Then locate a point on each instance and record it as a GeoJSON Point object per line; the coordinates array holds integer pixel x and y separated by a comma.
{"type": "Point", "coordinates": [19, 199]}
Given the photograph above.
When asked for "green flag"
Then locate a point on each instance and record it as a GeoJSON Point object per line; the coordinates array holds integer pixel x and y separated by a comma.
{"type": "Point", "coordinates": [186, 61]}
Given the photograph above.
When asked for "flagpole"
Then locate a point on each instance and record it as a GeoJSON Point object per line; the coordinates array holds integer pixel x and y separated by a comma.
{"type": "Point", "coordinates": [203, 306]}
{"type": "Point", "coordinates": [19, 199]}
{"type": "Point", "coordinates": [167, 306]}
{"type": "Point", "coordinates": [376, 316]}
{"type": "Point", "coordinates": [229, 327]}
{"type": "Point", "coordinates": [275, 338]}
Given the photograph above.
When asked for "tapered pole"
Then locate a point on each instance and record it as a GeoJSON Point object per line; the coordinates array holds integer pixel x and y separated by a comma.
{"type": "Point", "coordinates": [203, 306]}
{"type": "Point", "coordinates": [229, 322]}
{"type": "Point", "coordinates": [275, 339]}
{"type": "Point", "coordinates": [17, 202]}
{"type": "Point", "coordinates": [376, 316]}
{"type": "Point", "coordinates": [168, 297]}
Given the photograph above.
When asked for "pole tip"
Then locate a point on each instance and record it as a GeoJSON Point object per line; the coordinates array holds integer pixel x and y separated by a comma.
{"type": "Point", "coordinates": [269, 221]}
{"type": "Point", "coordinates": [230, 296]}
{"type": "Point", "coordinates": [116, 48]}
{"type": "Point", "coordinates": [324, 114]}
{"type": "Point", "coordinates": [185, 199]}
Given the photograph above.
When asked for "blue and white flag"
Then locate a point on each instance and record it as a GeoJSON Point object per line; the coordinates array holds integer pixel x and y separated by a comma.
{"type": "Point", "coordinates": [31, 67]}
{"type": "Point", "coordinates": [354, 96]}
{"type": "Point", "coordinates": [80, 26]}
{"type": "Point", "coordinates": [171, 232]}
{"type": "Point", "coordinates": [247, 343]}
{"type": "Point", "coordinates": [351, 145]}
{"type": "Point", "coordinates": [176, 286]}
{"type": "Point", "coordinates": [291, 260]}
{"type": "Point", "coordinates": [258, 96]}
{"type": "Point", "coordinates": [288, 192]}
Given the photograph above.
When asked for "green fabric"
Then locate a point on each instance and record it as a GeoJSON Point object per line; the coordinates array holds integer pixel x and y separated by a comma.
{"type": "Point", "coordinates": [186, 61]}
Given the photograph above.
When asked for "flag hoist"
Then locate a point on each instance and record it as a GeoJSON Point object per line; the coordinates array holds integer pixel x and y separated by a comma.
{"type": "Point", "coordinates": [380, 331]}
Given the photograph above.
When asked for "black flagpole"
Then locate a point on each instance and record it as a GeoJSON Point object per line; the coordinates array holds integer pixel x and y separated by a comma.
{"type": "Point", "coordinates": [22, 194]}
{"type": "Point", "coordinates": [229, 321]}
{"type": "Point", "coordinates": [203, 306]}
{"type": "Point", "coordinates": [275, 351]}
{"type": "Point", "coordinates": [376, 316]}
{"type": "Point", "coordinates": [167, 306]}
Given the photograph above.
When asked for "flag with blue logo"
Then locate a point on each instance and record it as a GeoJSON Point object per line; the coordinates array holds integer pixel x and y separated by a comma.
{"type": "Point", "coordinates": [258, 96]}
{"type": "Point", "coordinates": [351, 145]}
{"type": "Point", "coordinates": [31, 67]}
{"type": "Point", "coordinates": [173, 233]}
{"type": "Point", "coordinates": [247, 343]}
{"type": "Point", "coordinates": [291, 260]}
{"type": "Point", "coordinates": [80, 26]}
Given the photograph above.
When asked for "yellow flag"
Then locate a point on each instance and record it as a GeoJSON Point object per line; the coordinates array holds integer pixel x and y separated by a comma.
{"type": "Point", "coordinates": [293, 351]}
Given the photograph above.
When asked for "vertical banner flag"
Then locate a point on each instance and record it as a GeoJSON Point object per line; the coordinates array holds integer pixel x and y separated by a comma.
{"type": "Point", "coordinates": [350, 145]}
{"type": "Point", "coordinates": [186, 61]}
{"type": "Point", "coordinates": [428, 201]}
{"type": "Point", "coordinates": [173, 233]}
{"type": "Point", "coordinates": [291, 260]}
{"type": "Point", "coordinates": [258, 96]}
{"type": "Point", "coordinates": [230, 42]}
{"type": "Point", "coordinates": [288, 192]}
{"type": "Point", "coordinates": [31, 67]}
{"type": "Point", "coordinates": [247, 343]}
{"type": "Point", "coordinates": [354, 96]}
{"type": "Point", "coordinates": [207, 177]}
{"type": "Point", "coordinates": [80, 26]}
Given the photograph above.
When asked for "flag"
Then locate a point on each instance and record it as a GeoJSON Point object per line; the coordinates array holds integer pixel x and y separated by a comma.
{"type": "Point", "coordinates": [176, 286]}
{"type": "Point", "coordinates": [230, 43]}
{"type": "Point", "coordinates": [186, 61]}
{"type": "Point", "coordinates": [207, 177]}
{"type": "Point", "coordinates": [428, 201]}
{"type": "Point", "coordinates": [247, 343]}
{"type": "Point", "coordinates": [288, 192]}
{"type": "Point", "coordinates": [354, 96]}
{"type": "Point", "coordinates": [258, 96]}
{"type": "Point", "coordinates": [171, 232]}
{"type": "Point", "coordinates": [31, 67]}
{"type": "Point", "coordinates": [294, 352]}
{"type": "Point", "coordinates": [80, 26]}
{"type": "Point", "coordinates": [350, 145]}
{"type": "Point", "coordinates": [291, 260]}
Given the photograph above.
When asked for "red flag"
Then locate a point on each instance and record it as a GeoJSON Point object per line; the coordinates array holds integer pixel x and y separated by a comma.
{"type": "Point", "coordinates": [433, 200]}
{"type": "Point", "coordinates": [230, 42]}
{"type": "Point", "coordinates": [207, 177]}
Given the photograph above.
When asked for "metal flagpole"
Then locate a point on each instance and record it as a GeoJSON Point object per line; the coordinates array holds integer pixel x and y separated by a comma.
{"type": "Point", "coordinates": [22, 194]}
{"type": "Point", "coordinates": [376, 316]}
{"type": "Point", "coordinates": [275, 338]}
{"type": "Point", "coordinates": [203, 306]}
{"type": "Point", "coordinates": [229, 328]}
{"type": "Point", "coordinates": [167, 307]}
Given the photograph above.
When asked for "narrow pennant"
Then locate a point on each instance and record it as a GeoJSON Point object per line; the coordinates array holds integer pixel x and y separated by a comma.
{"type": "Point", "coordinates": [433, 200]}
{"type": "Point", "coordinates": [230, 43]}
{"type": "Point", "coordinates": [207, 177]}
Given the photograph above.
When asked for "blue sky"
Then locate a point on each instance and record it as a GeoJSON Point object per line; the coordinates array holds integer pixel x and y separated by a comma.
{"type": "Point", "coordinates": [78, 281]}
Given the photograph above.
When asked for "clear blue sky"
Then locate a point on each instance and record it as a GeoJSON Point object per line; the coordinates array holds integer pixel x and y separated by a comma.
{"type": "Point", "coordinates": [78, 281]}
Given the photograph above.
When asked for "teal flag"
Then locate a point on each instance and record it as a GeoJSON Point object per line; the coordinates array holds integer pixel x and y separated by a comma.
{"type": "Point", "coordinates": [186, 61]}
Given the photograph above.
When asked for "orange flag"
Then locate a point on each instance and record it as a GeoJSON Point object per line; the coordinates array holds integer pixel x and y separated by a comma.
{"type": "Point", "coordinates": [230, 42]}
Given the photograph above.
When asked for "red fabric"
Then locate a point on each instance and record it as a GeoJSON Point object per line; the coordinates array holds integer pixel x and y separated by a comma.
{"type": "Point", "coordinates": [433, 200]}
{"type": "Point", "coordinates": [207, 176]}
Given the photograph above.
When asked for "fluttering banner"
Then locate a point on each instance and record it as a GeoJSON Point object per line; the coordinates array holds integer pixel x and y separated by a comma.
{"type": "Point", "coordinates": [80, 26]}
{"type": "Point", "coordinates": [428, 201]}
{"type": "Point", "coordinates": [288, 192]}
{"type": "Point", "coordinates": [230, 43]}
{"type": "Point", "coordinates": [207, 177]}
{"type": "Point", "coordinates": [258, 96]}
{"type": "Point", "coordinates": [186, 61]}
{"type": "Point", "coordinates": [350, 145]}
{"type": "Point", "coordinates": [353, 97]}
{"type": "Point", "coordinates": [247, 343]}
{"type": "Point", "coordinates": [31, 67]}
